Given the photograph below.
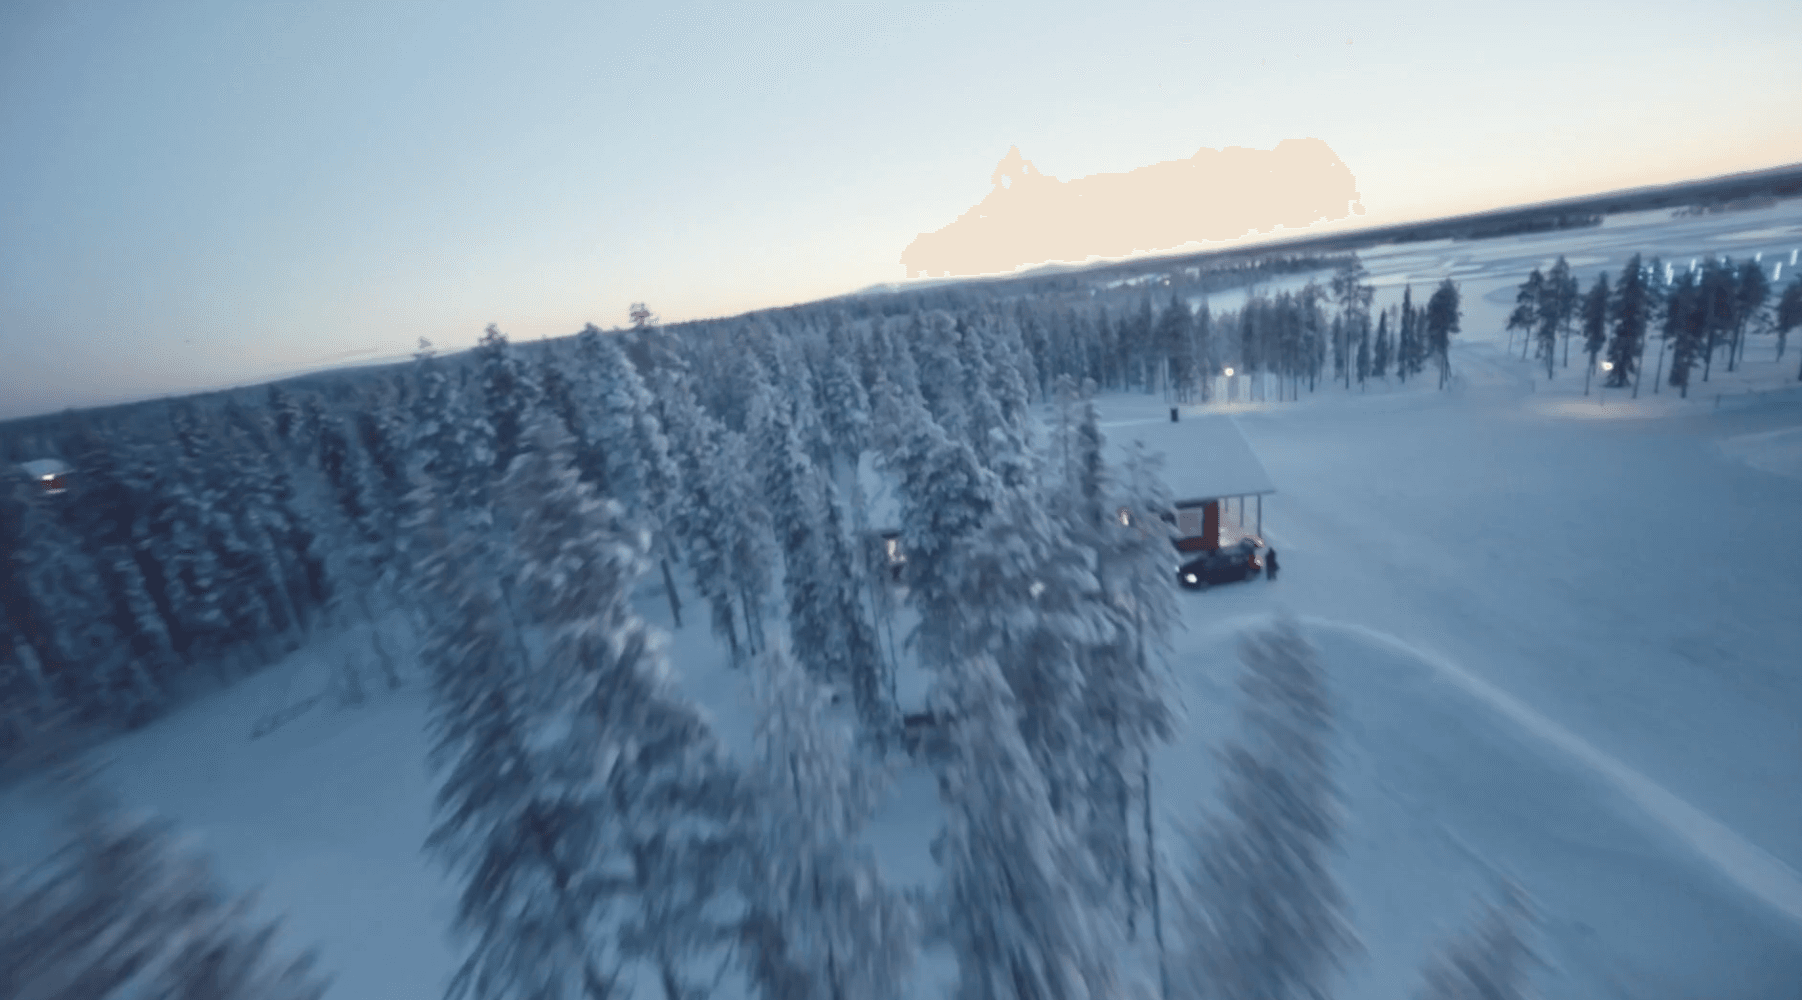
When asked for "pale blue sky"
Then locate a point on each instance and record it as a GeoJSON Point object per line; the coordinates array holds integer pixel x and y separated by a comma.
{"type": "Point", "coordinates": [199, 194]}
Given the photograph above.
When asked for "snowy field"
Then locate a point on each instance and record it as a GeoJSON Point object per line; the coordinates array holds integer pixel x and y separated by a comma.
{"type": "Point", "coordinates": [1563, 648]}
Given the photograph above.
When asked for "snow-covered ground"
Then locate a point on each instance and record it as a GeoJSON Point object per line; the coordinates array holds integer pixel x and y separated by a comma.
{"type": "Point", "coordinates": [1563, 648]}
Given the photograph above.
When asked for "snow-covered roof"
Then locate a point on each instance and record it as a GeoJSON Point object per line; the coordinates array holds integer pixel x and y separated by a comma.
{"type": "Point", "coordinates": [44, 468]}
{"type": "Point", "coordinates": [1205, 457]}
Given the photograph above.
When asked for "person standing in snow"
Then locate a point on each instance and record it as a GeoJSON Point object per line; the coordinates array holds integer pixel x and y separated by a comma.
{"type": "Point", "coordinates": [1270, 566]}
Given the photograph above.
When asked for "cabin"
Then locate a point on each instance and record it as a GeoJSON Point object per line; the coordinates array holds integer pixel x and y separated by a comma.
{"type": "Point", "coordinates": [52, 475]}
{"type": "Point", "coordinates": [1217, 483]}
{"type": "Point", "coordinates": [881, 514]}
{"type": "Point", "coordinates": [1216, 480]}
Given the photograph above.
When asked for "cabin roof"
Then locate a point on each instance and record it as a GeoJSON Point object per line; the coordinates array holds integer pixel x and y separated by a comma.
{"type": "Point", "coordinates": [44, 468]}
{"type": "Point", "coordinates": [1205, 457]}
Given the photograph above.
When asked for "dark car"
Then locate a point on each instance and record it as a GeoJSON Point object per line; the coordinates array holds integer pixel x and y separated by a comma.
{"type": "Point", "coordinates": [1228, 565]}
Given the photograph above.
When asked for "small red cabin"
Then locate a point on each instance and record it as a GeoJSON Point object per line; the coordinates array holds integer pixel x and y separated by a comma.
{"type": "Point", "coordinates": [49, 473]}
{"type": "Point", "coordinates": [1212, 472]}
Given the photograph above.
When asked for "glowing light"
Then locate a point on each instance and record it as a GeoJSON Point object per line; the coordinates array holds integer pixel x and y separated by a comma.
{"type": "Point", "coordinates": [1189, 577]}
{"type": "Point", "coordinates": [1229, 373]}
{"type": "Point", "coordinates": [1607, 366]}
{"type": "Point", "coordinates": [1126, 517]}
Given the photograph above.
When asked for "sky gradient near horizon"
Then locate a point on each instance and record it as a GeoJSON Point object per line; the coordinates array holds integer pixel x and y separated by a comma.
{"type": "Point", "coordinates": [203, 193]}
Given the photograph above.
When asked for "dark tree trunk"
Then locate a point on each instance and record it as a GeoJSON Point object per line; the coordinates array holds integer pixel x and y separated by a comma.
{"type": "Point", "coordinates": [669, 587]}
{"type": "Point", "coordinates": [1151, 873]}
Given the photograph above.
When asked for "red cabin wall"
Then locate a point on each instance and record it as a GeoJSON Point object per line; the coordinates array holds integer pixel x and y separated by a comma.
{"type": "Point", "coordinates": [1209, 538]}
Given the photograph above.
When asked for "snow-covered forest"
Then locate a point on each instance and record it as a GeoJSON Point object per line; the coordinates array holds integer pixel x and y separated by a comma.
{"type": "Point", "coordinates": [206, 536]}
{"type": "Point", "coordinates": [492, 526]}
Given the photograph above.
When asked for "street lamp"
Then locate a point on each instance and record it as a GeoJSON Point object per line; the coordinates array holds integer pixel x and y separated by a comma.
{"type": "Point", "coordinates": [1229, 373]}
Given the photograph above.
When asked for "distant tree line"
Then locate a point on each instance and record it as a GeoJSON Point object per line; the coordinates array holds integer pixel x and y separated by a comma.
{"type": "Point", "coordinates": [1699, 315]}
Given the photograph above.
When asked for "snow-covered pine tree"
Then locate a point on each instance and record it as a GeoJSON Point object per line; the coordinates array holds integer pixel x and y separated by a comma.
{"type": "Point", "coordinates": [1174, 328]}
{"type": "Point", "coordinates": [1443, 315]}
{"type": "Point", "coordinates": [832, 633]}
{"type": "Point", "coordinates": [1108, 344]}
{"type": "Point", "coordinates": [1003, 445]}
{"type": "Point", "coordinates": [706, 521]}
{"type": "Point", "coordinates": [1013, 372]}
{"type": "Point", "coordinates": [450, 436]}
{"type": "Point", "coordinates": [558, 396]}
{"type": "Point", "coordinates": [1407, 343]}
{"type": "Point", "coordinates": [1492, 961]}
{"type": "Point", "coordinates": [844, 407]}
{"type": "Point", "coordinates": [1631, 309]}
{"type": "Point", "coordinates": [795, 371]}
{"type": "Point", "coordinates": [820, 924]}
{"type": "Point", "coordinates": [1264, 918]}
{"type": "Point", "coordinates": [1788, 314]}
{"type": "Point", "coordinates": [1559, 304]}
{"type": "Point", "coordinates": [1353, 293]}
{"type": "Point", "coordinates": [120, 913]}
{"type": "Point", "coordinates": [1027, 365]}
{"type": "Point", "coordinates": [1031, 601]}
{"type": "Point", "coordinates": [636, 796]}
{"type": "Point", "coordinates": [1379, 354]}
{"type": "Point", "coordinates": [84, 655]}
{"type": "Point", "coordinates": [508, 394]}
{"type": "Point", "coordinates": [946, 495]}
{"type": "Point", "coordinates": [1128, 695]}
{"type": "Point", "coordinates": [897, 359]}
{"type": "Point", "coordinates": [1203, 351]}
{"type": "Point", "coordinates": [639, 472]}
{"type": "Point", "coordinates": [1545, 320]}
{"type": "Point", "coordinates": [207, 464]}
{"type": "Point", "coordinates": [354, 559]}
{"type": "Point", "coordinates": [1018, 923]}
{"type": "Point", "coordinates": [1525, 315]}
{"type": "Point", "coordinates": [284, 413]}
{"type": "Point", "coordinates": [98, 514]}
{"type": "Point", "coordinates": [1364, 365]}
{"type": "Point", "coordinates": [1059, 469]}
{"type": "Point", "coordinates": [942, 376]}
{"type": "Point", "coordinates": [751, 539]}
{"type": "Point", "coordinates": [1595, 325]}
{"type": "Point", "coordinates": [1750, 290]}
{"type": "Point", "coordinates": [379, 432]}
{"type": "Point", "coordinates": [530, 907]}
{"type": "Point", "coordinates": [282, 539]}
{"type": "Point", "coordinates": [1684, 321]}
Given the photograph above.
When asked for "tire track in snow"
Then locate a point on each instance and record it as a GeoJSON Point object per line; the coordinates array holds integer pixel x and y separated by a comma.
{"type": "Point", "coordinates": [1747, 865]}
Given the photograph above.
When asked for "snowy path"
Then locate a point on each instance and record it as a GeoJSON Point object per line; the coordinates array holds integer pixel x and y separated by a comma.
{"type": "Point", "coordinates": [1445, 792]}
{"type": "Point", "coordinates": [1753, 869]}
